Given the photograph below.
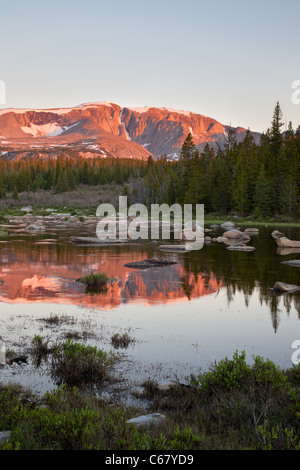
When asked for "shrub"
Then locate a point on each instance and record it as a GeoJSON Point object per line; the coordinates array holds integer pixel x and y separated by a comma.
{"type": "Point", "coordinates": [96, 282]}
{"type": "Point", "coordinates": [74, 363]}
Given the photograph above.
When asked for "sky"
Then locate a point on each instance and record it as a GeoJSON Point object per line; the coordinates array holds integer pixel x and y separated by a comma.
{"type": "Point", "coordinates": [231, 60]}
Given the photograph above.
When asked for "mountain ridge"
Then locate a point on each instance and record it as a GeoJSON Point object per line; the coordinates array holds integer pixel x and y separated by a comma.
{"type": "Point", "coordinates": [108, 130]}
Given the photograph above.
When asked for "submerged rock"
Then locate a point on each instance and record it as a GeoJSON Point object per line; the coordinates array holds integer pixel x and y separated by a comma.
{"type": "Point", "coordinates": [241, 248]}
{"type": "Point", "coordinates": [150, 263]}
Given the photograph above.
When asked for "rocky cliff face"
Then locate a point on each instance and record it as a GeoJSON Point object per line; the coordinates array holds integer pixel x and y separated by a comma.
{"type": "Point", "coordinates": [107, 130]}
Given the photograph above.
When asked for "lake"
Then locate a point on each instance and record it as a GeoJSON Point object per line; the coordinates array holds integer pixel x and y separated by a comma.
{"type": "Point", "coordinates": [183, 317]}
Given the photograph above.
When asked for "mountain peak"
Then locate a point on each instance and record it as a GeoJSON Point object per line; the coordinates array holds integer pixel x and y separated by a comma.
{"type": "Point", "coordinates": [105, 129]}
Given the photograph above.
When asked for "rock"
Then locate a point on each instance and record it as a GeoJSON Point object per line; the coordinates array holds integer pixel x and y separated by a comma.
{"type": "Point", "coordinates": [145, 421]}
{"type": "Point", "coordinates": [251, 230]}
{"type": "Point", "coordinates": [229, 241]}
{"type": "Point", "coordinates": [207, 239]}
{"type": "Point", "coordinates": [227, 226]}
{"type": "Point", "coordinates": [214, 226]}
{"type": "Point", "coordinates": [36, 228]}
{"type": "Point", "coordinates": [4, 436]}
{"type": "Point", "coordinates": [208, 230]}
{"type": "Point", "coordinates": [293, 262]}
{"type": "Point", "coordinates": [18, 360]}
{"type": "Point", "coordinates": [287, 251]}
{"type": "Point", "coordinates": [26, 209]}
{"type": "Point", "coordinates": [233, 234]}
{"type": "Point", "coordinates": [150, 263]}
{"type": "Point", "coordinates": [175, 248]}
{"type": "Point", "coordinates": [275, 234]}
{"type": "Point", "coordinates": [240, 248]}
{"type": "Point", "coordinates": [165, 387]}
{"type": "Point", "coordinates": [286, 243]}
{"type": "Point", "coordinates": [284, 288]}
{"type": "Point", "coordinates": [153, 242]}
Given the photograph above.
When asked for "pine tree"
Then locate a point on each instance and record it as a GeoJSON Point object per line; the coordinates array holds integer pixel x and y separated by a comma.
{"type": "Point", "coordinates": [262, 200]}
{"type": "Point", "coordinates": [15, 194]}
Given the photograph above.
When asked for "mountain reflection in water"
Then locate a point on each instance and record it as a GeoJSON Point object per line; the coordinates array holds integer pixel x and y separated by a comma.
{"type": "Point", "coordinates": [48, 273]}
{"type": "Point", "coordinates": [40, 269]}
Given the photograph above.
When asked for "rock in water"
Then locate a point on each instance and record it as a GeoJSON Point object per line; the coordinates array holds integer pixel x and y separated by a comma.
{"type": "Point", "coordinates": [292, 262]}
{"type": "Point", "coordinates": [233, 234]}
{"type": "Point", "coordinates": [240, 248]}
{"type": "Point", "coordinates": [284, 288]}
{"type": "Point", "coordinates": [150, 263]}
{"type": "Point", "coordinates": [287, 243]}
{"type": "Point", "coordinates": [228, 226]}
{"type": "Point", "coordinates": [275, 234]}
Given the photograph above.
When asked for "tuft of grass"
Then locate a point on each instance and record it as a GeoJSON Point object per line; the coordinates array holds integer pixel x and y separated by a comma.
{"type": "Point", "coordinates": [96, 282]}
{"type": "Point", "coordinates": [121, 341]}
{"type": "Point", "coordinates": [40, 348]}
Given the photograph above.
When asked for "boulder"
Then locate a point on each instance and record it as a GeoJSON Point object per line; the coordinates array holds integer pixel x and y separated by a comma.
{"type": "Point", "coordinates": [287, 243]}
{"type": "Point", "coordinates": [275, 234]}
{"type": "Point", "coordinates": [214, 226]}
{"type": "Point", "coordinates": [285, 288]}
{"type": "Point", "coordinates": [251, 230]}
{"type": "Point", "coordinates": [233, 234]}
{"type": "Point", "coordinates": [227, 225]}
{"type": "Point", "coordinates": [145, 421]}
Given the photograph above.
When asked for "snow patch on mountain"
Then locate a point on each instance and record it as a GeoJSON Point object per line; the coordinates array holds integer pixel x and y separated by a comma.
{"type": "Point", "coordinates": [46, 130]}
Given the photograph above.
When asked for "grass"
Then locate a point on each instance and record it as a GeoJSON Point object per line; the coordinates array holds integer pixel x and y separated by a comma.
{"type": "Point", "coordinates": [233, 406]}
{"type": "Point", "coordinates": [96, 283]}
{"type": "Point", "coordinates": [75, 364]}
{"type": "Point", "coordinates": [251, 220]}
{"type": "Point", "coordinates": [121, 341]}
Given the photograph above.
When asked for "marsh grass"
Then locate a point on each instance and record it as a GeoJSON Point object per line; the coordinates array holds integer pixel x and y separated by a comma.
{"type": "Point", "coordinates": [75, 363]}
{"type": "Point", "coordinates": [96, 283]}
{"type": "Point", "coordinates": [234, 406]}
{"type": "Point", "coordinates": [121, 341]}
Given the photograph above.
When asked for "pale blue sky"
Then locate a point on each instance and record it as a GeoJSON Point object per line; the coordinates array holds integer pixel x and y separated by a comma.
{"type": "Point", "coordinates": [230, 60]}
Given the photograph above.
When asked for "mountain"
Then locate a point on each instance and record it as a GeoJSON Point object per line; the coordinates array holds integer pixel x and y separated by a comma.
{"type": "Point", "coordinates": [107, 130]}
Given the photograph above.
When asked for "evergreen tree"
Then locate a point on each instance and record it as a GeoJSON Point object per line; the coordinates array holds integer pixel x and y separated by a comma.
{"type": "Point", "coordinates": [262, 200]}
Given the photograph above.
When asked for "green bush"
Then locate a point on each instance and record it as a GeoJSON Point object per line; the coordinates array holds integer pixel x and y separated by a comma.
{"type": "Point", "coordinates": [74, 363]}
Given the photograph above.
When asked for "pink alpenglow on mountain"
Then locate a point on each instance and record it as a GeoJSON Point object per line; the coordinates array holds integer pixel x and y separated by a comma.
{"type": "Point", "coordinates": [106, 130]}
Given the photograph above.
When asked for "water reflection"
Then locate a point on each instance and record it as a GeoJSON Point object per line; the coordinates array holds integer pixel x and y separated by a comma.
{"type": "Point", "coordinates": [43, 269]}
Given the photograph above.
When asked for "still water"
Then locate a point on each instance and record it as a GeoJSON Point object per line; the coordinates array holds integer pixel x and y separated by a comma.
{"type": "Point", "coordinates": [183, 317]}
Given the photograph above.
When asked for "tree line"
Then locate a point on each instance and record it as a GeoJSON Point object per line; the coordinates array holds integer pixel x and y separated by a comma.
{"type": "Point", "coordinates": [245, 178]}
